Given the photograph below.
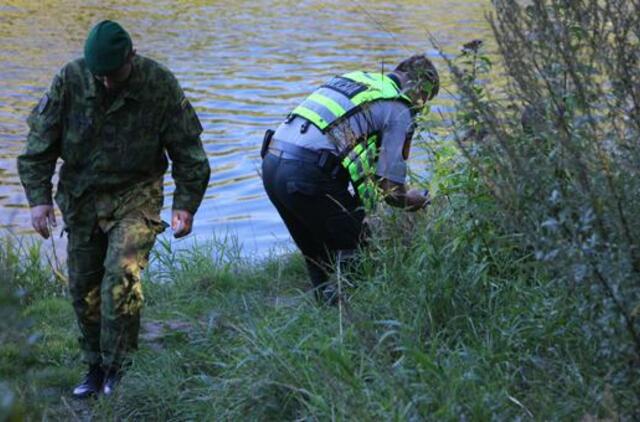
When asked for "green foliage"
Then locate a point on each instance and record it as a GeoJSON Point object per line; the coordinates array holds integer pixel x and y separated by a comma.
{"type": "Point", "coordinates": [27, 270]}
{"type": "Point", "coordinates": [557, 151]}
{"type": "Point", "coordinates": [24, 279]}
{"type": "Point", "coordinates": [446, 319]}
{"type": "Point", "coordinates": [514, 296]}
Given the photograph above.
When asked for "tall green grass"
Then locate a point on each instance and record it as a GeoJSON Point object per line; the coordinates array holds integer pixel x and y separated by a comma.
{"type": "Point", "coordinates": [514, 296]}
{"type": "Point", "coordinates": [446, 319]}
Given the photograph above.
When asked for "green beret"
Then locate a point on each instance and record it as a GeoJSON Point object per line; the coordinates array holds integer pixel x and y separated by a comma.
{"type": "Point", "coordinates": [106, 48]}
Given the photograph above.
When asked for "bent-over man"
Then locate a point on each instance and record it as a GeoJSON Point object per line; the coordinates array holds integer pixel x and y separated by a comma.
{"type": "Point", "coordinates": [338, 153]}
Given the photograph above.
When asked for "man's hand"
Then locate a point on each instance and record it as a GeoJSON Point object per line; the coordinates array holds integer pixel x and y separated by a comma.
{"type": "Point", "coordinates": [396, 195]}
{"type": "Point", "coordinates": [41, 217]}
{"type": "Point", "coordinates": [417, 200]}
{"type": "Point", "coordinates": [181, 223]}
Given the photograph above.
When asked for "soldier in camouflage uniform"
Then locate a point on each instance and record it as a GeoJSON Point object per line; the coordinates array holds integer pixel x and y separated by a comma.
{"type": "Point", "coordinates": [112, 117]}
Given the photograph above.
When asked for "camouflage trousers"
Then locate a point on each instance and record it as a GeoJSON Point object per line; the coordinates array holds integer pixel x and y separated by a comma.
{"type": "Point", "coordinates": [105, 285]}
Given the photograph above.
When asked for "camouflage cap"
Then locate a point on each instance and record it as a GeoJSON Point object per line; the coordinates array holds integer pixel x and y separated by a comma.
{"type": "Point", "coordinates": [106, 48]}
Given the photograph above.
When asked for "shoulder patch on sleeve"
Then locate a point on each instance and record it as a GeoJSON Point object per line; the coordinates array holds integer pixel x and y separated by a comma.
{"type": "Point", "coordinates": [42, 104]}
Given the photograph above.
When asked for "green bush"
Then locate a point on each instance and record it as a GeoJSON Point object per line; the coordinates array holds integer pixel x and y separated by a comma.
{"type": "Point", "coordinates": [556, 147]}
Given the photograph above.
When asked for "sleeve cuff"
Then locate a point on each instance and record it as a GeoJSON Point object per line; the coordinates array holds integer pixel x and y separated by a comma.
{"type": "Point", "coordinates": [182, 204]}
{"type": "Point", "coordinates": [39, 196]}
{"type": "Point", "coordinates": [394, 177]}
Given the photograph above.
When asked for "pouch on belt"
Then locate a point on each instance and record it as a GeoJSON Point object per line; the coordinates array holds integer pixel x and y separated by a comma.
{"type": "Point", "coordinates": [266, 141]}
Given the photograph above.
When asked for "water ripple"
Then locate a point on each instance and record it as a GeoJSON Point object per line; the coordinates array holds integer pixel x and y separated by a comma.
{"type": "Point", "coordinates": [244, 65]}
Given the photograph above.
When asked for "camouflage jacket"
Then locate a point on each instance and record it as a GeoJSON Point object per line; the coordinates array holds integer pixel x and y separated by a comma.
{"type": "Point", "coordinates": [114, 148]}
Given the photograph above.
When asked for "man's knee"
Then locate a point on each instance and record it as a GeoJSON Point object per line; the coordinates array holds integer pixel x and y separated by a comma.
{"type": "Point", "coordinates": [84, 289]}
{"type": "Point", "coordinates": [344, 231]}
{"type": "Point", "coordinates": [122, 288]}
{"type": "Point", "coordinates": [82, 282]}
{"type": "Point", "coordinates": [129, 245]}
{"type": "Point", "coordinates": [86, 304]}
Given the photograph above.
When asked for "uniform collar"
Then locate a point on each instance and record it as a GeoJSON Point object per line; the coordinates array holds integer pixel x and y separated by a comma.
{"type": "Point", "coordinates": [395, 79]}
{"type": "Point", "coordinates": [92, 89]}
{"type": "Point", "coordinates": [135, 82]}
{"type": "Point", "coordinates": [132, 90]}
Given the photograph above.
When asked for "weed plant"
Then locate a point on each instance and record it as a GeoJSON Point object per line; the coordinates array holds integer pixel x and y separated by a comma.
{"type": "Point", "coordinates": [556, 149]}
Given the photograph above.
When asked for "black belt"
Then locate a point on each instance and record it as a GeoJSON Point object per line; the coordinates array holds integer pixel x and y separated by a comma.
{"type": "Point", "coordinates": [325, 159]}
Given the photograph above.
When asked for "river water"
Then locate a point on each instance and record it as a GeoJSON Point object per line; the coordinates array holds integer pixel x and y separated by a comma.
{"type": "Point", "coordinates": [243, 64]}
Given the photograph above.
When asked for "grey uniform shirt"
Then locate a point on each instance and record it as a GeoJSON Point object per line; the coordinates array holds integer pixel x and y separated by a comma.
{"type": "Point", "coordinates": [391, 119]}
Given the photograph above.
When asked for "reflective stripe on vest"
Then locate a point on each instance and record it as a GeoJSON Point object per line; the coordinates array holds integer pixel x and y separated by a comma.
{"type": "Point", "coordinates": [341, 97]}
{"type": "Point", "coordinates": [360, 165]}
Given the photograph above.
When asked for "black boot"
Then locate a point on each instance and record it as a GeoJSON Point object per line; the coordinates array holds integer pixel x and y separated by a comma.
{"type": "Point", "coordinates": [112, 378]}
{"type": "Point", "coordinates": [91, 383]}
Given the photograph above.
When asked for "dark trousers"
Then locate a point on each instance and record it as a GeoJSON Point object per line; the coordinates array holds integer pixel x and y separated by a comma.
{"type": "Point", "coordinates": [323, 218]}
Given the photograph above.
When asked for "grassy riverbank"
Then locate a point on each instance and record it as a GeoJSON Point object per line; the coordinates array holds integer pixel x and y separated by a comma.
{"type": "Point", "coordinates": [445, 323]}
{"type": "Point", "coordinates": [514, 296]}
